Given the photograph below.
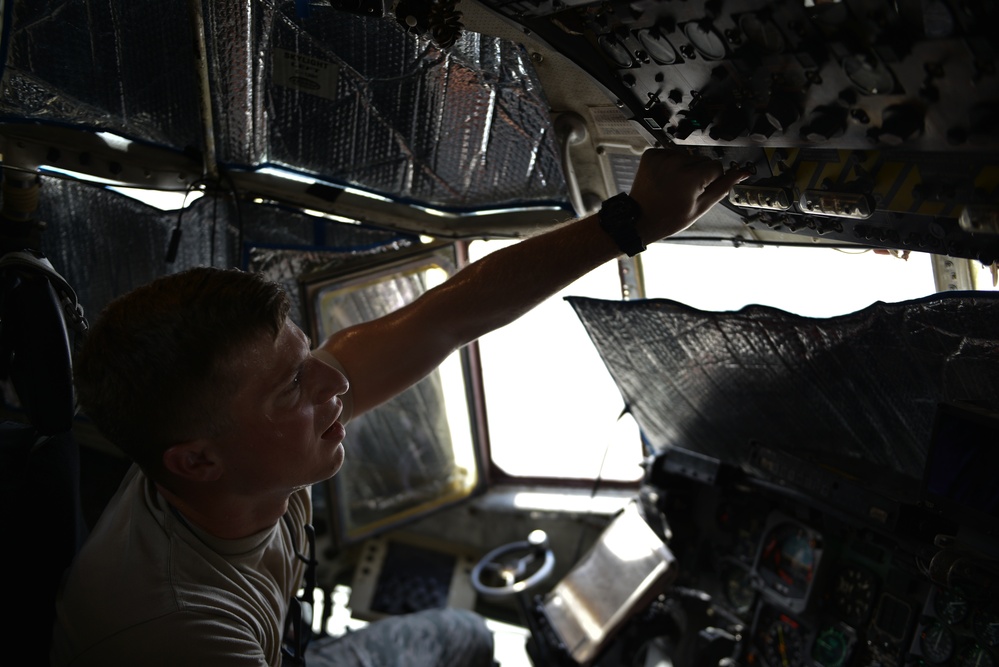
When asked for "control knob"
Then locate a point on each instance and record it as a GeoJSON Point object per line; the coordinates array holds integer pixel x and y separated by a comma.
{"type": "Point", "coordinates": [899, 123]}
{"type": "Point", "coordinates": [827, 122]}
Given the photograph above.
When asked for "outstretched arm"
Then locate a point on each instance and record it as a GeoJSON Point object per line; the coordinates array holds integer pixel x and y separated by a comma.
{"type": "Point", "coordinates": [385, 356]}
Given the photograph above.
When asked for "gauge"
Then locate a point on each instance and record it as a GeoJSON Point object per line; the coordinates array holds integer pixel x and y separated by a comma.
{"type": "Point", "coordinates": [937, 642]}
{"type": "Point", "coordinates": [745, 547]}
{"type": "Point", "coordinates": [738, 589]}
{"type": "Point", "coordinates": [950, 605]}
{"type": "Point", "coordinates": [832, 646]}
{"type": "Point", "coordinates": [974, 655]}
{"type": "Point", "coordinates": [854, 594]}
{"type": "Point", "coordinates": [788, 559]}
{"type": "Point", "coordinates": [986, 627]}
{"type": "Point", "coordinates": [737, 520]}
{"type": "Point", "coordinates": [782, 642]}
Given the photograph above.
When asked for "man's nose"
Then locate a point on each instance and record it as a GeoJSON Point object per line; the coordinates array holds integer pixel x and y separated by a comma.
{"type": "Point", "coordinates": [330, 382]}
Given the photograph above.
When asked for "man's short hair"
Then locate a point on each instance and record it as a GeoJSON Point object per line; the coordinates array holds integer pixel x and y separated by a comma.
{"type": "Point", "coordinates": [156, 369]}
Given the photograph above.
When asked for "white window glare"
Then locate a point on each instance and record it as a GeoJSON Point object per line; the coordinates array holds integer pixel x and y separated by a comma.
{"type": "Point", "coordinates": [115, 141]}
{"type": "Point", "coordinates": [366, 195]}
{"type": "Point", "coordinates": [322, 214]}
{"type": "Point", "coordinates": [77, 175]}
{"type": "Point", "coordinates": [437, 213]}
{"type": "Point", "coordinates": [340, 218]}
{"type": "Point", "coordinates": [515, 209]}
{"type": "Point", "coordinates": [479, 214]}
{"type": "Point", "coordinates": [810, 281]}
{"type": "Point", "coordinates": [286, 174]}
{"type": "Point", "coordinates": [309, 180]}
{"type": "Point", "coordinates": [985, 277]}
{"type": "Point", "coordinates": [164, 200]}
{"type": "Point", "coordinates": [553, 409]}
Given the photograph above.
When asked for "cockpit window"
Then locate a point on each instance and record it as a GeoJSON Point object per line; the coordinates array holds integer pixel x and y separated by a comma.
{"type": "Point", "coordinates": [553, 410]}
{"type": "Point", "coordinates": [415, 453]}
{"type": "Point", "coordinates": [814, 282]}
{"type": "Point", "coordinates": [573, 424]}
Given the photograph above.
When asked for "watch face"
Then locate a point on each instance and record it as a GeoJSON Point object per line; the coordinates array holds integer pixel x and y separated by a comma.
{"type": "Point", "coordinates": [618, 217]}
{"type": "Point", "coordinates": [620, 206]}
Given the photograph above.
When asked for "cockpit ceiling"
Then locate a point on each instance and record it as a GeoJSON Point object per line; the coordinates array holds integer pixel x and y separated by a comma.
{"type": "Point", "coordinates": [306, 92]}
{"type": "Point", "coordinates": [781, 393]}
{"type": "Point", "coordinates": [869, 121]}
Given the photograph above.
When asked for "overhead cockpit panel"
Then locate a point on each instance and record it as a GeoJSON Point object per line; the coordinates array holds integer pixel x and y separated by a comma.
{"type": "Point", "coordinates": [867, 121]}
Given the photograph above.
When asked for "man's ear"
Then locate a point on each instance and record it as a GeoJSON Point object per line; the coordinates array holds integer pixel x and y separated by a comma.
{"type": "Point", "coordinates": [194, 461]}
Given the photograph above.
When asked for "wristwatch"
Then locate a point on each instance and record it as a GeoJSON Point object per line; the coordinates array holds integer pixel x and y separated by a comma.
{"type": "Point", "coordinates": [619, 218]}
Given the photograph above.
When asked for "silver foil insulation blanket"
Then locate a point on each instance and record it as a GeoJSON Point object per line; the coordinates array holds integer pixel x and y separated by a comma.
{"type": "Point", "coordinates": [858, 392]}
{"type": "Point", "coordinates": [343, 98]}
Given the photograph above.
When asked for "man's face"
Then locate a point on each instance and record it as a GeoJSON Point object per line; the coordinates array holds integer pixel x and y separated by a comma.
{"type": "Point", "coordinates": [285, 432]}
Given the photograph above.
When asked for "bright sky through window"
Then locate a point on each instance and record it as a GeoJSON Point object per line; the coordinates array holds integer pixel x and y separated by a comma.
{"type": "Point", "coordinates": [554, 410]}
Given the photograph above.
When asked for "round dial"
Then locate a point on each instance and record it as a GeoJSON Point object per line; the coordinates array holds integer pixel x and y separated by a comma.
{"type": "Point", "coordinates": [738, 589]}
{"type": "Point", "coordinates": [832, 647]}
{"type": "Point", "coordinates": [950, 606]}
{"type": "Point", "coordinates": [937, 642]}
{"type": "Point", "coordinates": [974, 655]}
{"type": "Point", "coordinates": [788, 559]}
{"type": "Point", "coordinates": [854, 594]}
{"type": "Point", "coordinates": [782, 643]}
{"type": "Point", "coordinates": [986, 627]}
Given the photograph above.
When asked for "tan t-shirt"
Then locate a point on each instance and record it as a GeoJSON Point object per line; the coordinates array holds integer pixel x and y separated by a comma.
{"type": "Point", "coordinates": [150, 589]}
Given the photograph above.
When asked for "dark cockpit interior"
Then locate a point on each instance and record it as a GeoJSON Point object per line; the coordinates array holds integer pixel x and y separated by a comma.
{"type": "Point", "coordinates": [807, 491]}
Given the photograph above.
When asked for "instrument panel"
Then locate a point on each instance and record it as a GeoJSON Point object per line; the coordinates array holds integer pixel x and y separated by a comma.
{"type": "Point", "coordinates": [811, 587]}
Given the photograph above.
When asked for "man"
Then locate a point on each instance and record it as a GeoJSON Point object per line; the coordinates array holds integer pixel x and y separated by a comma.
{"type": "Point", "coordinates": [230, 416]}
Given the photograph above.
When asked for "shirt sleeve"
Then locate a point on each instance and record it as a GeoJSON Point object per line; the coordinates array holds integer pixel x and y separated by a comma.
{"type": "Point", "coordinates": [206, 640]}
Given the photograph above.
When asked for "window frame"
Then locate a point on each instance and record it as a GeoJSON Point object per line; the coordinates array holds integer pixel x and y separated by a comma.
{"type": "Point", "coordinates": [366, 271]}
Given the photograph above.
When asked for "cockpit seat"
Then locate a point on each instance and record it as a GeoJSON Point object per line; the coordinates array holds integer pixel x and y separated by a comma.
{"type": "Point", "coordinates": [43, 524]}
{"type": "Point", "coordinates": [43, 529]}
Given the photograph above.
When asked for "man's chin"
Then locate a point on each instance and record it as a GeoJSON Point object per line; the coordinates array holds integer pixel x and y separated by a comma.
{"type": "Point", "coordinates": [339, 455]}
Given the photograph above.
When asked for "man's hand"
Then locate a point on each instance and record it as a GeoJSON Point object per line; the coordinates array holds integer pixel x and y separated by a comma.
{"type": "Point", "coordinates": [675, 188]}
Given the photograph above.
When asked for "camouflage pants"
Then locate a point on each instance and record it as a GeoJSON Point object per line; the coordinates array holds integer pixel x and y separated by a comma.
{"type": "Point", "coordinates": [432, 638]}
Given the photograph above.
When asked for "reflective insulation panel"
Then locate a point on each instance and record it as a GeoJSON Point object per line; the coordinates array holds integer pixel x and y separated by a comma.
{"type": "Point", "coordinates": [105, 244]}
{"type": "Point", "coordinates": [360, 101]}
{"type": "Point", "coordinates": [110, 65]}
{"type": "Point", "coordinates": [856, 393]}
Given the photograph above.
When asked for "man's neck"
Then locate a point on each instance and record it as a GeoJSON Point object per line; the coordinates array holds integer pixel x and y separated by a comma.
{"type": "Point", "coordinates": [227, 518]}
